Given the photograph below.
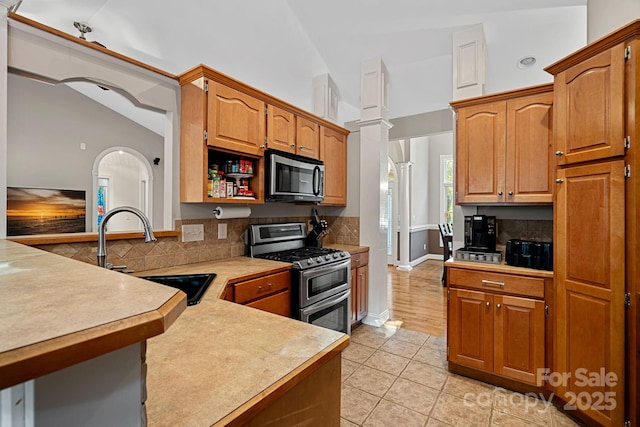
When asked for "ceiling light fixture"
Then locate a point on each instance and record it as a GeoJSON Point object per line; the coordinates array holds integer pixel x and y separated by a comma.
{"type": "Point", "coordinates": [526, 62]}
{"type": "Point", "coordinates": [83, 28]}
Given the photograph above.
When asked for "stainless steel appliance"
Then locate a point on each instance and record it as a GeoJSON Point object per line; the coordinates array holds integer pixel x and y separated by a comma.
{"type": "Point", "coordinates": [292, 178]}
{"type": "Point", "coordinates": [320, 279]}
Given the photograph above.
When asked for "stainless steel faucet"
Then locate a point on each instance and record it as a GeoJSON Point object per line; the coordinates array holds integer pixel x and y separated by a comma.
{"type": "Point", "coordinates": [102, 241]}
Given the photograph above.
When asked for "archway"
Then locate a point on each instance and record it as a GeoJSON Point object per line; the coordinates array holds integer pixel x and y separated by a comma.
{"type": "Point", "coordinates": [122, 177]}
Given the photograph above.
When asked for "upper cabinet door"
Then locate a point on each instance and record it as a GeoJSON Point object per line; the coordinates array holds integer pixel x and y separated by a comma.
{"type": "Point", "coordinates": [333, 153]}
{"type": "Point", "coordinates": [480, 152]}
{"type": "Point", "coordinates": [281, 129]}
{"type": "Point", "coordinates": [236, 121]}
{"type": "Point", "coordinates": [529, 149]}
{"type": "Point", "coordinates": [308, 138]}
{"type": "Point", "coordinates": [589, 108]}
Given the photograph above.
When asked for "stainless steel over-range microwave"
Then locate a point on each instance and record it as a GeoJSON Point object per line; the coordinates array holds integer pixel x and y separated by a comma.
{"type": "Point", "coordinates": [293, 178]}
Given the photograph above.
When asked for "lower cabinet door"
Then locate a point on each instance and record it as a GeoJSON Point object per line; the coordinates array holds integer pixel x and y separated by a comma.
{"type": "Point", "coordinates": [518, 328]}
{"type": "Point", "coordinates": [279, 303]}
{"type": "Point", "coordinates": [470, 334]}
{"type": "Point", "coordinates": [362, 293]}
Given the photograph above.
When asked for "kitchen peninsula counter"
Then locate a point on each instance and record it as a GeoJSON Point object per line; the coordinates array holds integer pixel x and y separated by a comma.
{"type": "Point", "coordinates": [222, 363]}
{"type": "Point", "coordinates": [56, 312]}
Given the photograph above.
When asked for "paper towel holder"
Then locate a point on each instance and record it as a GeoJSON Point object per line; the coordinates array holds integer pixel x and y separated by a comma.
{"type": "Point", "coordinates": [230, 212]}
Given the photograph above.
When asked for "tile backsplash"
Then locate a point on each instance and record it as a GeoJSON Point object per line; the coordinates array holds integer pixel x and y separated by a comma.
{"type": "Point", "coordinates": [537, 230]}
{"type": "Point", "coordinates": [171, 251]}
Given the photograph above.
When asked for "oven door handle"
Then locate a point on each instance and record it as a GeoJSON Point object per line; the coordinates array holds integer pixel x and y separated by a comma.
{"type": "Point", "coordinates": [328, 302]}
{"type": "Point", "coordinates": [324, 269]}
{"type": "Point", "coordinates": [316, 181]}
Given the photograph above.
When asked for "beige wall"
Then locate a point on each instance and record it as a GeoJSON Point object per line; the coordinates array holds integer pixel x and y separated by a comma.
{"type": "Point", "coordinates": [605, 16]}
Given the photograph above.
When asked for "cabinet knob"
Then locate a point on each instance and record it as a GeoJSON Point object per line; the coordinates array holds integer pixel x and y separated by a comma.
{"type": "Point", "coordinates": [499, 193]}
{"type": "Point", "coordinates": [559, 153]}
{"type": "Point", "coordinates": [262, 146]}
{"type": "Point", "coordinates": [488, 304]}
{"type": "Point", "coordinates": [559, 181]}
{"type": "Point", "coordinates": [511, 193]}
{"type": "Point", "coordinates": [498, 306]}
{"type": "Point", "coordinates": [293, 145]}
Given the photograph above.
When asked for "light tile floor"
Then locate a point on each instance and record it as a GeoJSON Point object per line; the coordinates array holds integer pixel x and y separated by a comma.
{"type": "Point", "coordinates": [398, 377]}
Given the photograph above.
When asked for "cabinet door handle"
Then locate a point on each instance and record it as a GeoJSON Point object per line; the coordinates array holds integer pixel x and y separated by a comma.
{"type": "Point", "coordinates": [498, 306]}
{"type": "Point", "coordinates": [293, 145]}
{"type": "Point", "coordinates": [269, 286]}
{"type": "Point", "coordinates": [559, 153]}
{"type": "Point", "coordinates": [559, 181]}
{"type": "Point", "coordinates": [511, 193]}
{"type": "Point", "coordinates": [499, 193]}
{"type": "Point", "coordinates": [488, 304]}
{"type": "Point", "coordinates": [492, 283]}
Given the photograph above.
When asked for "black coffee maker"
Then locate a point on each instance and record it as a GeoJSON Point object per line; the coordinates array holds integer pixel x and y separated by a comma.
{"type": "Point", "coordinates": [480, 233]}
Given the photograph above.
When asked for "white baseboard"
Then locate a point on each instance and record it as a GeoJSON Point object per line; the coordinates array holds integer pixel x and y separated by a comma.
{"type": "Point", "coordinates": [376, 321]}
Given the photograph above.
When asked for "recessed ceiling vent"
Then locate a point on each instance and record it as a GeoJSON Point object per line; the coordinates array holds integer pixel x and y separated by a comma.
{"type": "Point", "coordinates": [526, 62]}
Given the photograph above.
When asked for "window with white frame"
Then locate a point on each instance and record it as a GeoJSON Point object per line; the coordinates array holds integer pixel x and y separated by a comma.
{"type": "Point", "coordinates": [446, 188]}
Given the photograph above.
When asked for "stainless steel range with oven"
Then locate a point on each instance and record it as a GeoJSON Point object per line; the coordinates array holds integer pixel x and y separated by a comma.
{"type": "Point", "coordinates": [320, 279]}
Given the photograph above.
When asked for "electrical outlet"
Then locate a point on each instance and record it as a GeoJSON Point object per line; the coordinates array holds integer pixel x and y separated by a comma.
{"type": "Point", "coordinates": [425, 247]}
{"type": "Point", "coordinates": [192, 232]}
{"type": "Point", "coordinates": [222, 230]}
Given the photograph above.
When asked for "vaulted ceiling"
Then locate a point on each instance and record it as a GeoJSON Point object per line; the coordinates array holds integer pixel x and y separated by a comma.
{"type": "Point", "coordinates": [279, 45]}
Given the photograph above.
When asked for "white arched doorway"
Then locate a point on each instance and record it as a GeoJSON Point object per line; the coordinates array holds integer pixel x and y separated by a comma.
{"type": "Point", "coordinates": [122, 177]}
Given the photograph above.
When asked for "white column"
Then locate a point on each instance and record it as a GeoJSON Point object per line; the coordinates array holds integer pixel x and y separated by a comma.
{"type": "Point", "coordinates": [374, 153]}
{"type": "Point", "coordinates": [404, 207]}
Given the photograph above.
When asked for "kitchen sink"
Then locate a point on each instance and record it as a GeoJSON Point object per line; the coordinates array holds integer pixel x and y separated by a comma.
{"type": "Point", "coordinates": [194, 285]}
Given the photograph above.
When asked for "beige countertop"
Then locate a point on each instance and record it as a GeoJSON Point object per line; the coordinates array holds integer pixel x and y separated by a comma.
{"type": "Point", "coordinates": [56, 312]}
{"type": "Point", "coordinates": [221, 362]}
{"type": "Point", "coordinates": [499, 268]}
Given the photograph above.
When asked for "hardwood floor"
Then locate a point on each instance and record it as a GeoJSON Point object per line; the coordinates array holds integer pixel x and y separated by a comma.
{"type": "Point", "coordinates": [417, 299]}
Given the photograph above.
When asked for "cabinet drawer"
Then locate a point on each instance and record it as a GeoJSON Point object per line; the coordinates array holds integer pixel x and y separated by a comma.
{"type": "Point", "coordinates": [261, 287]}
{"type": "Point", "coordinates": [360, 259]}
{"type": "Point", "coordinates": [278, 304]}
{"type": "Point", "coordinates": [496, 282]}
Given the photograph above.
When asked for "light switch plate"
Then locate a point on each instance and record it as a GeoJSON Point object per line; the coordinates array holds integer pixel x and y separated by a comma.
{"type": "Point", "coordinates": [192, 232]}
{"type": "Point", "coordinates": [222, 230]}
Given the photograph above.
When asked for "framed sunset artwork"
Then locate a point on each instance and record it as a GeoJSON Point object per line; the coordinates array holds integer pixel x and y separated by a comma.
{"type": "Point", "coordinates": [45, 211]}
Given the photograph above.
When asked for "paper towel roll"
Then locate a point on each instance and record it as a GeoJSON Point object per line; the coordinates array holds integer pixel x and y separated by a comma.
{"type": "Point", "coordinates": [232, 212]}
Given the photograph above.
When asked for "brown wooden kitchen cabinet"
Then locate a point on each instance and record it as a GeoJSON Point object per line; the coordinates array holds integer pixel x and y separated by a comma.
{"type": "Point", "coordinates": [596, 100]}
{"type": "Point", "coordinates": [504, 147]}
{"type": "Point", "coordinates": [270, 293]}
{"type": "Point", "coordinates": [589, 239]}
{"type": "Point", "coordinates": [333, 152]}
{"type": "Point", "coordinates": [222, 115]}
{"type": "Point", "coordinates": [281, 129]}
{"type": "Point", "coordinates": [235, 120]}
{"type": "Point", "coordinates": [496, 323]}
{"type": "Point", "coordinates": [589, 108]}
{"type": "Point", "coordinates": [359, 286]}
{"type": "Point", "coordinates": [308, 138]}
